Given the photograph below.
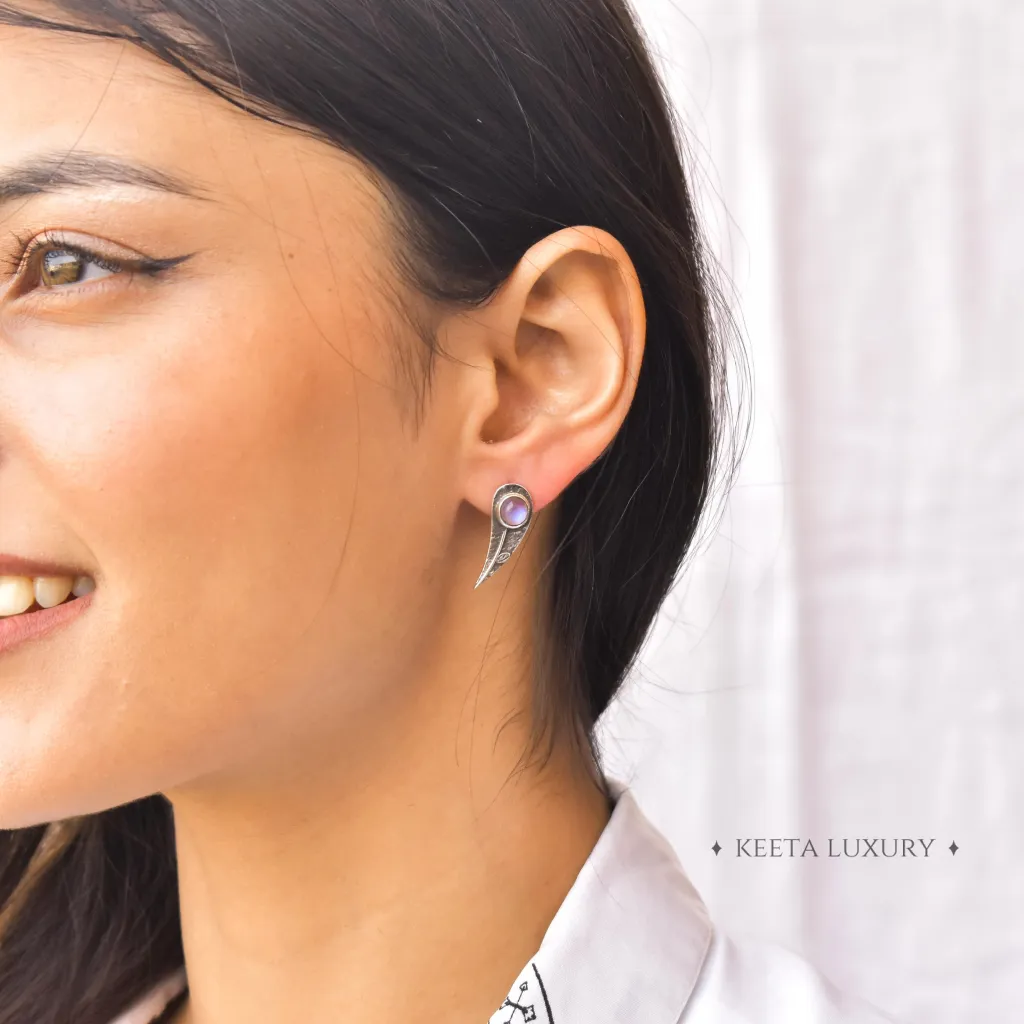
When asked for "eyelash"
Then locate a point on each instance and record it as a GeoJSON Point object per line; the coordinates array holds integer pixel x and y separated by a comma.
{"type": "Point", "coordinates": [31, 249]}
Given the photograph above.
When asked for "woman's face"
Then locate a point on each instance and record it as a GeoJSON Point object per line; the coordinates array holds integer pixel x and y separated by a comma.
{"type": "Point", "coordinates": [209, 417]}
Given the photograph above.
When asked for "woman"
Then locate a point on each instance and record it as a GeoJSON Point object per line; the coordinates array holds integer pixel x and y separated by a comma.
{"type": "Point", "coordinates": [359, 399]}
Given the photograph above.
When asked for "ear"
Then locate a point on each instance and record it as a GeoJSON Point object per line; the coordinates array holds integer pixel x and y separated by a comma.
{"type": "Point", "coordinates": [561, 345]}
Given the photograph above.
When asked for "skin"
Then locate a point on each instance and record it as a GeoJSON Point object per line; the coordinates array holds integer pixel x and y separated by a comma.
{"type": "Point", "coordinates": [285, 639]}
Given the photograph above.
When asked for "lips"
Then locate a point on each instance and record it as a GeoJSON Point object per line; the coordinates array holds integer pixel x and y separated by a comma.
{"type": "Point", "coordinates": [16, 630]}
{"type": "Point", "coordinates": [14, 565]}
{"type": "Point", "coordinates": [37, 597]}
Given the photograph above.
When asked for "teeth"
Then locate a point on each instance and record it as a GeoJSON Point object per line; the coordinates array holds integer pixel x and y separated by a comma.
{"type": "Point", "coordinates": [19, 593]}
{"type": "Point", "coordinates": [52, 590]}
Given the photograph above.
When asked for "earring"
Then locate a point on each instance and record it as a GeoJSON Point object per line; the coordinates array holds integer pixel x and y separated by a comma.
{"type": "Point", "coordinates": [511, 515]}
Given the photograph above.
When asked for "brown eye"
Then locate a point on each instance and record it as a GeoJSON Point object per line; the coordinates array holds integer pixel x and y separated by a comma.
{"type": "Point", "coordinates": [61, 267]}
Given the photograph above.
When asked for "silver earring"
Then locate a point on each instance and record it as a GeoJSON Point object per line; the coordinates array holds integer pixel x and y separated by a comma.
{"type": "Point", "coordinates": [511, 515]}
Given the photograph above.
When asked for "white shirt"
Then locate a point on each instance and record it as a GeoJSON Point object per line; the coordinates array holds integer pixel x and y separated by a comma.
{"type": "Point", "coordinates": [633, 944]}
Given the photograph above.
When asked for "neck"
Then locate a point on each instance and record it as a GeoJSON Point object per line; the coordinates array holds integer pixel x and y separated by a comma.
{"type": "Point", "coordinates": [417, 863]}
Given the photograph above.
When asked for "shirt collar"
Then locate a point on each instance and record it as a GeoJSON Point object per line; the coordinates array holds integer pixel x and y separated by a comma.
{"type": "Point", "coordinates": [628, 942]}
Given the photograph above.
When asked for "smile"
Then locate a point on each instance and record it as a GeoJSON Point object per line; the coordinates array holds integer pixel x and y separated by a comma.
{"type": "Point", "coordinates": [32, 607]}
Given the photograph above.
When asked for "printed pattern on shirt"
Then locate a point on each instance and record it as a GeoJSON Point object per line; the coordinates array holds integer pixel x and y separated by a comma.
{"type": "Point", "coordinates": [527, 1001]}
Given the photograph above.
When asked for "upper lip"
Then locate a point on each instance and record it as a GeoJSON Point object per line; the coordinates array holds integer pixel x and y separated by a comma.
{"type": "Point", "coordinates": [12, 565]}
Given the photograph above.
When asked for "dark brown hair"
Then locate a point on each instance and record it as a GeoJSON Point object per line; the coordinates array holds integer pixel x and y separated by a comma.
{"type": "Point", "coordinates": [492, 125]}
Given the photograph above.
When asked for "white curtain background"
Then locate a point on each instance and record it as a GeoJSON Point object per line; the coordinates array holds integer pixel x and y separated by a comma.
{"type": "Point", "coordinates": [845, 657]}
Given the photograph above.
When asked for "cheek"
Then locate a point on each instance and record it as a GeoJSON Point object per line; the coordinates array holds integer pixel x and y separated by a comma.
{"type": "Point", "coordinates": [202, 443]}
{"type": "Point", "coordinates": [234, 479]}
{"type": "Point", "coordinates": [234, 467]}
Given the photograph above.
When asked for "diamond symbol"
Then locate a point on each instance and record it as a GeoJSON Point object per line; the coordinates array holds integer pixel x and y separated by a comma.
{"type": "Point", "coordinates": [953, 847]}
{"type": "Point", "coordinates": [716, 848]}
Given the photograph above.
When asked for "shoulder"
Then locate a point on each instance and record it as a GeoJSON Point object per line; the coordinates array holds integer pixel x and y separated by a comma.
{"type": "Point", "coordinates": [747, 982]}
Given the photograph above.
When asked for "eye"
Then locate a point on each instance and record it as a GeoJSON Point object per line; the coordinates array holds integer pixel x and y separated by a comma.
{"type": "Point", "coordinates": [54, 264]}
{"type": "Point", "coordinates": [60, 267]}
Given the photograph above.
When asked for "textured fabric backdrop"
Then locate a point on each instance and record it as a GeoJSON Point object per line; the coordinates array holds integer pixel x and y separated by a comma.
{"type": "Point", "coordinates": [844, 658]}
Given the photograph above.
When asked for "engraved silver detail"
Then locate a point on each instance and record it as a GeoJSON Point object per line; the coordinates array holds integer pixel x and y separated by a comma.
{"type": "Point", "coordinates": [504, 540]}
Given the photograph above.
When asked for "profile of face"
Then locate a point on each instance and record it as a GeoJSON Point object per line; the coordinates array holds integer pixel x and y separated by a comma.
{"type": "Point", "coordinates": [212, 405]}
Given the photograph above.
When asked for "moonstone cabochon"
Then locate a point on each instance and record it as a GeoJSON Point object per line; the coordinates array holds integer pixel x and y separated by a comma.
{"type": "Point", "coordinates": [514, 511]}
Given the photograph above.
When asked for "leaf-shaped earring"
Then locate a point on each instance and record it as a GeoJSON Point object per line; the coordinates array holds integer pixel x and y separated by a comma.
{"type": "Point", "coordinates": [511, 515]}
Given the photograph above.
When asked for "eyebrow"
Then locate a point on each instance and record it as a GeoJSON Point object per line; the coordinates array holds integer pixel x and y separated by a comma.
{"type": "Point", "coordinates": [56, 172]}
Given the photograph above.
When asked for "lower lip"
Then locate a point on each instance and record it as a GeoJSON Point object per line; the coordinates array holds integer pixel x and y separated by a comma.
{"type": "Point", "coordinates": [18, 629]}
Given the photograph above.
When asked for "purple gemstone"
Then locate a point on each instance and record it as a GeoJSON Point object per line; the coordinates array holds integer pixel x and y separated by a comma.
{"type": "Point", "coordinates": [513, 511]}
